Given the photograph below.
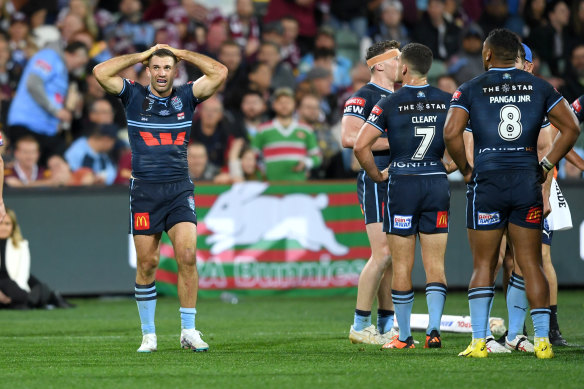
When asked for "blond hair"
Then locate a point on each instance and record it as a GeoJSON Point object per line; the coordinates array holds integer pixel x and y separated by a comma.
{"type": "Point", "coordinates": [16, 235]}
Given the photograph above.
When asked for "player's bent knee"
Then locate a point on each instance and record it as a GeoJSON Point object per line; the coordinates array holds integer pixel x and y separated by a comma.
{"type": "Point", "coordinates": [186, 257]}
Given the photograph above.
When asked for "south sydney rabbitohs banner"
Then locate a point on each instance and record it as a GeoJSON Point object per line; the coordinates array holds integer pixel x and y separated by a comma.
{"type": "Point", "coordinates": [257, 237]}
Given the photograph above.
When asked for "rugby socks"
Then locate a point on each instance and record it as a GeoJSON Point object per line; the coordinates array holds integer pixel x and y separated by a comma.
{"type": "Point", "coordinates": [489, 317]}
{"type": "Point", "coordinates": [362, 320]}
{"type": "Point", "coordinates": [554, 318]}
{"type": "Point", "coordinates": [479, 301]}
{"type": "Point", "coordinates": [187, 318]}
{"type": "Point", "coordinates": [516, 305]}
{"type": "Point", "coordinates": [403, 301]}
{"type": "Point", "coordinates": [541, 322]}
{"type": "Point", "coordinates": [384, 320]}
{"type": "Point", "coordinates": [146, 300]}
{"type": "Point", "coordinates": [435, 298]}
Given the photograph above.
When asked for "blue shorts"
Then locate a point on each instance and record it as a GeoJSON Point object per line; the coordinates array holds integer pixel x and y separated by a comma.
{"type": "Point", "coordinates": [417, 203]}
{"type": "Point", "coordinates": [372, 197]}
{"type": "Point", "coordinates": [547, 234]}
{"type": "Point", "coordinates": [496, 198]}
{"type": "Point", "coordinates": [157, 207]}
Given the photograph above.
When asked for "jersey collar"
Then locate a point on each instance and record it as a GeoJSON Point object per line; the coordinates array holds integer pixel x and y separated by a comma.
{"type": "Point", "coordinates": [415, 86]}
{"type": "Point", "coordinates": [380, 87]}
{"type": "Point", "coordinates": [150, 94]}
{"type": "Point", "coordinates": [503, 69]}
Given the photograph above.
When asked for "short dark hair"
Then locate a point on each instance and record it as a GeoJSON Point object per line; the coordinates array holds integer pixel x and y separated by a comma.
{"type": "Point", "coordinates": [163, 53]}
{"type": "Point", "coordinates": [504, 44]}
{"type": "Point", "coordinates": [26, 138]}
{"type": "Point", "coordinates": [380, 48]}
{"type": "Point", "coordinates": [418, 57]}
{"type": "Point", "coordinates": [323, 53]}
{"type": "Point", "coordinates": [74, 46]}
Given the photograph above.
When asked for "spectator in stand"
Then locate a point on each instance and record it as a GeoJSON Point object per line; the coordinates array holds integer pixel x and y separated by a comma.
{"type": "Point", "coordinates": [288, 148]}
{"type": "Point", "coordinates": [273, 32]}
{"type": "Point", "coordinates": [24, 171]}
{"type": "Point", "coordinates": [553, 42]}
{"type": "Point", "coordinates": [92, 152]}
{"type": "Point", "coordinates": [259, 79]}
{"type": "Point", "coordinates": [230, 56]}
{"type": "Point", "coordinates": [446, 83]}
{"type": "Point", "coordinates": [18, 288]}
{"type": "Point", "coordinates": [468, 62]}
{"type": "Point", "coordinates": [569, 171]}
{"type": "Point", "coordinates": [289, 49]}
{"type": "Point", "coordinates": [216, 132]}
{"type": "Point", "coordinates": [360, 75]}
{"type": "Point", "coordinates": [390, 26]}
{"type": "Point", "coordinates": [129, 32]}
{"type": "Point", "coordinates": [341, 66]}
{"type": "Point", "coordinates": [69, 26]}
{"type": "Point", "coordinates": [574, 85]}
{"type": "Point", "coordinates": [253, 111]}
{"type": "Point", "coordinates": [577, 25]}
{"type": "Point", "coordinates": [350, 14]}
{"type": "Point", "coordinates": [84, 9]}
{"type": "Point", "coordinates": [244, 27]}
{"type": "Point", "coordinates": [199, 167]}
{"type": "Point", "coordinates": [10, 73]}
{"type": "Point", "coordinates": [322, 83]}
{"type": "Point", "coordinates": [441, 36]}
{"type": "Point", "coordinates": [332, 164]}
{"type": "Point", "coordinates": [534, 16]}
{"type": "Point", "coordinates": [21, 43]}
{"type": "Point", "coordinates": [249, 165]}
{"type": "Point", "coordinates": [38, 106]}
{"type": "Point", "coordinates": [94, 92]}
{"type": "Point", "coordinates": [301, 10]}
{"type": "Point", "coordinates": [282, 75]}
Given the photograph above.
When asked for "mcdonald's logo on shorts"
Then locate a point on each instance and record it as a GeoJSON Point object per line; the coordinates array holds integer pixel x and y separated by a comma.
{"type": "Point", "coordinates": [142, 221]}
{"type": "Point", "coordinates": [442, 219]}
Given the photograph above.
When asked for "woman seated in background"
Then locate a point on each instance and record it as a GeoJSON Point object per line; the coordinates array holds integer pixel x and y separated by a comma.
{"type": "Point", "coordinates": [18, 288]}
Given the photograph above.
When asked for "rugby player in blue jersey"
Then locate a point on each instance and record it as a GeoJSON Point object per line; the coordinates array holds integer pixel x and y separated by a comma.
{"type": "Point", "coordinates": [418, 194]}
{"type": "Point", "coordinates": [375, 278]}
{"type": "Point", "coordinates": [161, 194]}
{"type": "Point", "coordinates": [506, 108]}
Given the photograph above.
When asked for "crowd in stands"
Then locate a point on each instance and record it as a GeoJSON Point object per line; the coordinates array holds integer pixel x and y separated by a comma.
{"type": "Point", "coordinates": [292, 64]}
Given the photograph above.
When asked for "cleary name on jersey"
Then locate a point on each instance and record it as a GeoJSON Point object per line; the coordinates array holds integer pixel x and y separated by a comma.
{"type": "Point", "coordinates": [413, 119]}
{"type": "Point", "coordinates": [507, 107]}
{"type": "Point", "coordinates": [159, 130]}
{"type": "Point", "coordinates": [360, 105]}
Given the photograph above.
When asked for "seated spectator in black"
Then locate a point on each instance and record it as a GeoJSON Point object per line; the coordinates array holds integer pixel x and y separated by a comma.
{"type": "Point", "coordinates": [574, 85]}
{"type": "Point", "coordinates": [553, 42]}
{"type": "Point", "coordinates": [91, 152]}
{"type": "Point", "coordinates": [390, 26]}
{"type": "Point", "coordinates": [216, 132]}
{"type": "Point", "coordinates": [446, 84]}
{"type": "Point", "coordinates": [24, 171]}
{"type": "Point", "coordinates": [230, 56]}
{"type": "Point", "coordinates": [467, 63]}
{"type": "Point", "coordinates": [10, 73]}
{"type": "Point", "coordinates": [199, 167]}
{"type": "Point", "coordinates": [18, 288]}
{"type": "Point", "coordinates": [442, 37]}
{"type": "Point", "coordinates": [534, 15]}
{"type": "Point", "coordinates": [282, 74]}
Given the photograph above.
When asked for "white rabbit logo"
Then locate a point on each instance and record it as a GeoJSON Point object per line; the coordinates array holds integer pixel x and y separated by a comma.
{"type": "Point", "coordinates": [241, 216]}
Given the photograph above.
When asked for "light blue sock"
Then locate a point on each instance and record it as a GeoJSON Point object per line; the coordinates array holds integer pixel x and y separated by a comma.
{"type": "Point", "coordinates": [435, 299]}
{"type": "Point", "coordinates": [187, 318]}
{"type": "Point", "coordinates": [403, 301]}
{"type": "Point", "coordinates": [516, 305]}
{"type": "Point", "coordinates": [146, 301]}
{"type": "Point", "coordinates": [488, 317]}
{"type": "Point", "coordinates": [479, 300]}
{"type": "Point", "coordinates": [384, 320]}
{"type": "Point", "coordinates": [541, 322]}
{"type": "Point", "coordinates": [362, 320]}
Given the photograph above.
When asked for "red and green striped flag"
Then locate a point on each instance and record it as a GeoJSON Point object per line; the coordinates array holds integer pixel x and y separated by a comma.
{"type": "Point", "coordinates": [255, 238]}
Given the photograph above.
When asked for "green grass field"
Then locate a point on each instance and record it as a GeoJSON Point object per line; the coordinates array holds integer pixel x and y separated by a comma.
{"type": "Point", "coordinates": [271, 342]}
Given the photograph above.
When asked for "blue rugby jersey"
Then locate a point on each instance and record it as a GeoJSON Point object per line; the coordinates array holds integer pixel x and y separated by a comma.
{"type": "Point", "coordinates": [577, 108]}
{"type": "Point", "coordinates": [413, 119]}
{"type": "Point", "coordinates": [159, 130]}
{"type": "Point", "coordinates": [507, 107]}
{"type": "Point", "coordinates": [360, 105]}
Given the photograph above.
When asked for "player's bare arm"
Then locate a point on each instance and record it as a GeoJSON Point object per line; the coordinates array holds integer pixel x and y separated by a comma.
{"type": "Point", "coordinates": [367, 136]}
{"type": "Point", "coordinates": [564, 120]}
{"type": "Point", "coordinates": [350, 126]}
{"type": "Point", "coordinates": [448, 163]}
{"type": "Point", "coordinates": [456, 121]}
{"type": "Point", "coordinates": [106, 73]}
{"type": "Point", "coordinates": [214, 73]}
{"type": "Point", "coordinates": [544, 143]}
{"type": "Point", "coordinates": [2, 207]}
